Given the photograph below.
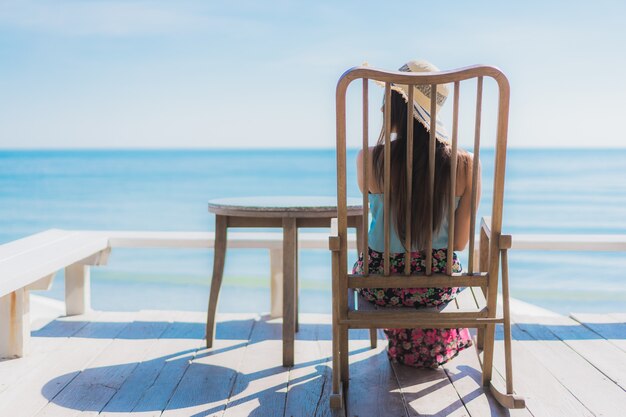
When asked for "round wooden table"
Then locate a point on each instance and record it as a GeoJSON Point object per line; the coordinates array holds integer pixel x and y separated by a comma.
{"type": "Point", "coordinates": [289, 213]}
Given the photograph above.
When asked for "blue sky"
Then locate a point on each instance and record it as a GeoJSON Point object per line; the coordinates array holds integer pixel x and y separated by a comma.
{"type": "Point", "coordinates": [150, 74]}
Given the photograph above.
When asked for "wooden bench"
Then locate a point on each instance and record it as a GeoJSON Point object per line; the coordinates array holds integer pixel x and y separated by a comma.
{"type": "Point", "coordinates": [31, 264]}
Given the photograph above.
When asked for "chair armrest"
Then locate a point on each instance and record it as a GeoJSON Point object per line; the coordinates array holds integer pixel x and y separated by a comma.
{"type": "Point", "coordinates": [504, 242]}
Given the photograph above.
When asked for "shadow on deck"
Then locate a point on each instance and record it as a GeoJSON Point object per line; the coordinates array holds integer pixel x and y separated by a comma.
{"type": "Point", "coordinates": [153, 363]}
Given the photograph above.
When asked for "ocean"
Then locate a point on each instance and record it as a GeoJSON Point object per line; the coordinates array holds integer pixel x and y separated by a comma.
{"type": "Point", "coordinates": [547, 191]}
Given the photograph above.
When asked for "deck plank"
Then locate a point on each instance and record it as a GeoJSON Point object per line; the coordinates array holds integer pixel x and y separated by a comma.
{"type": "Point", "coordinates": [45, 340]}
{"type": "Point", "coordinates": [428, 392]}
{"type": "Point", "coordinates": [373, 389]}
{"type": "Point", "coordinates": [609, 327]}
{"type": "Point", "coordinates": [95, 385]}
{"type": "Point", "coordinates": [207, 382]}
{"type": "Point", "coordinates": [149, 387]}
{"type": "Point", "coordinates": [578, 376]}
{"type": "Point", "coordinates": [260, 387]}
{"type": "Point", "coordinates": [63, 365]}
{"type": "Point", "coordinates": [465, 373]}
{"type": "Point", "coordinates": [325, 343]}
{"type": "Point", "coordinates": [544, 394]}
{"type": "Point", "coordinates": [602, 354]}
{"type": "Point", "coordinates": [311, 371]}
{"type": "Point", "coordinates": [132, 369]}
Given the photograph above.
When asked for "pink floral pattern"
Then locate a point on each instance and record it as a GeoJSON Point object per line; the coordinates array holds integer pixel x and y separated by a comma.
{"type": "Point", "coordinates": [423, 348]}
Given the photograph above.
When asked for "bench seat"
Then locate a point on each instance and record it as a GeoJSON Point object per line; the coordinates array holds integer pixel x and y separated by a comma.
{"type": "Point", "coordinates": [31, 264]}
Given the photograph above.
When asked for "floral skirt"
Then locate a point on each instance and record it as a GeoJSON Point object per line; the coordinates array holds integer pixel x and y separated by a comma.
{"type": "Point", "coordinates": [423, 348]}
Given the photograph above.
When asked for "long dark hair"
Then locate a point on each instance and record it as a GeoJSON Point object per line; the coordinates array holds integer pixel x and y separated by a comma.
{"type": "Point", "coordinates": [420, 204]}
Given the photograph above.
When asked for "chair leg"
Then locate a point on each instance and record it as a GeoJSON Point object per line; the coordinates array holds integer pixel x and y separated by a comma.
{"type": "Point", "coordinates": [373, 338]}
{"type": "Point", "coordinates": [336, 395]}
{"type": "Point", "coordinates": [480, 338]}
{"type": "Point", "coordinates": [345, 355]}
{"type": "Point", "coordinates": [508, 399]}
{"type": "Point", "coordinates": [511, 401]}
{"type": "Point", "coordinates": [218, 273]}
{"type": "Point", "coordinates": [489, 340]}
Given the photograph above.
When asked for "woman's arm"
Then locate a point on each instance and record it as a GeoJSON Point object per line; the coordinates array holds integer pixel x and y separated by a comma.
{"type": "Point", "coordinates": [463, 211]}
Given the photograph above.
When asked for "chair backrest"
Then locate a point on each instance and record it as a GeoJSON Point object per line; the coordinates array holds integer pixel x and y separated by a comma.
{"type": "Point", "coordinates": [490, 267]}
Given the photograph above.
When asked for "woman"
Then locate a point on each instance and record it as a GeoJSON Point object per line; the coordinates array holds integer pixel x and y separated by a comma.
{"type": "Point", "coordinates": [417, 347]}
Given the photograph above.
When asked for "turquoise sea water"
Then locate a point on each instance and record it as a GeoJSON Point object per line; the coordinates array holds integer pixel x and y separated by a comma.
{"type": "Point", "coordinates": [547, 191]}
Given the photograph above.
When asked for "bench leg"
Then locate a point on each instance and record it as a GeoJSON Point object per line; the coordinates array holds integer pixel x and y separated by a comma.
{"type": "Point", "coordinates": [77, 289]}
{"type": "Point", "coordinates": [14, 324]}
{"type": "Point", "coordinates": [276, 283]}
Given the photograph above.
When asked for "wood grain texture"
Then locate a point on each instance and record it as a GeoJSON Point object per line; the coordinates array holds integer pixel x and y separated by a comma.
{"type": "Point", "coordinates": [428, 392]}
{"type": "Point", "coordinates": [574, 372]}
{"type": "Point", "coordinates": [208, 380]}
{"type": "Point", "coordinates": [545, 396]}
{"type": "Point", "coordinates": [97, 383]}
{"type": "Point", "coordinates": [35, 390]}
{"type": "Point", "coordinates": [149, 387]}
{"type": "Point", "coordinates": [309, 379]}
{"type": "Point", "coordinates": [601, 353]}
{"type": "Point", "coordinates": [374, 389]}
{"type": "Point", "coordinates": [464, 373]}
{"type": "Point", "coordinates": [261, 382]}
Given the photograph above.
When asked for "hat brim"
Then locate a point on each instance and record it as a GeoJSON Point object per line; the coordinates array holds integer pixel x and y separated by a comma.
{"type": "Point", "coordinates": [421, 114]}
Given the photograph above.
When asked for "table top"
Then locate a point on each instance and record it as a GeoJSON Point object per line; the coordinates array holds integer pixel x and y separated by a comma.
{"type": "Point", "coordinates": [277, 206]}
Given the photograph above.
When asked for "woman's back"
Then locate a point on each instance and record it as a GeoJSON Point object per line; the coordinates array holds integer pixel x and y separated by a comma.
{"type": "Point", "coordinates": [462, 194]}
{"type": "Point", "coordinates": [376, 239]}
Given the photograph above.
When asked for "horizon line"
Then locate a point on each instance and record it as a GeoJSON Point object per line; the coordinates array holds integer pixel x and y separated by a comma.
{"type": "Point", "coordinates": [273, 149]}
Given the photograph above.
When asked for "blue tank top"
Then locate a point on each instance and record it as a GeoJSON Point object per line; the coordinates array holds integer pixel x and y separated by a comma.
{"type": "Point", "coordinates": [376, 235]}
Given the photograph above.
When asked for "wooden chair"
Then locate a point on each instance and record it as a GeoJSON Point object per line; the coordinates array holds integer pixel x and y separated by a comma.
{"type": "Point", "coordinates": [475, 306]}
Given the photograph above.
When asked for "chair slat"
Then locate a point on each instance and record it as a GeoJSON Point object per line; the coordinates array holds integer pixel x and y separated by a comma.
{"type": "Point", "coordinates": [409, 181]}
{"type": "Point", "coordinates": [479, 101]}
{"type": "Point", "coordinates": [401, 314]}
{"type": "Point", "coordinates": [418, 281]}
{"type": "Point", "coordinates": [453, 169]}
{"type": "Point", "coordinates": [366, 153]}
{"type": "Point", "coordinates": [463, 302]}
{"type": "Point", "coordinates": [381, 319]}
{"type": "Point", "coordinates": [431, 176]}
{"type": "Point", "coordinates": [387, 176]}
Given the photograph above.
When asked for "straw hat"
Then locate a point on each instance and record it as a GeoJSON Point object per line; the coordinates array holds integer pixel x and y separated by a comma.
{"type": "Point", "coordinates": [421, 96]}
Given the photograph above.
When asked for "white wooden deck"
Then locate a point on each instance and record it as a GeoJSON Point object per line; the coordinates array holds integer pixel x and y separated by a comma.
{"type": "Point", "coordinates": [152, 363]}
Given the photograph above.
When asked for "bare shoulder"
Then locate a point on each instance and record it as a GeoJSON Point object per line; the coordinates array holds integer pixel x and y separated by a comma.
{"type": "Point", "coordinates": [359, 158]}
{"type": "Point", "coordinates": [359, 155]}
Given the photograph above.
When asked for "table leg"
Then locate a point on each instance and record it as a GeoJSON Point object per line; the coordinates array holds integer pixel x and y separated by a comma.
{"type": "Point", "coordinates": [297, 283]}
{"type": "Point", "coordinates": [290, 236]}
{"type": "Point", "coordinates": [219, 256]}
